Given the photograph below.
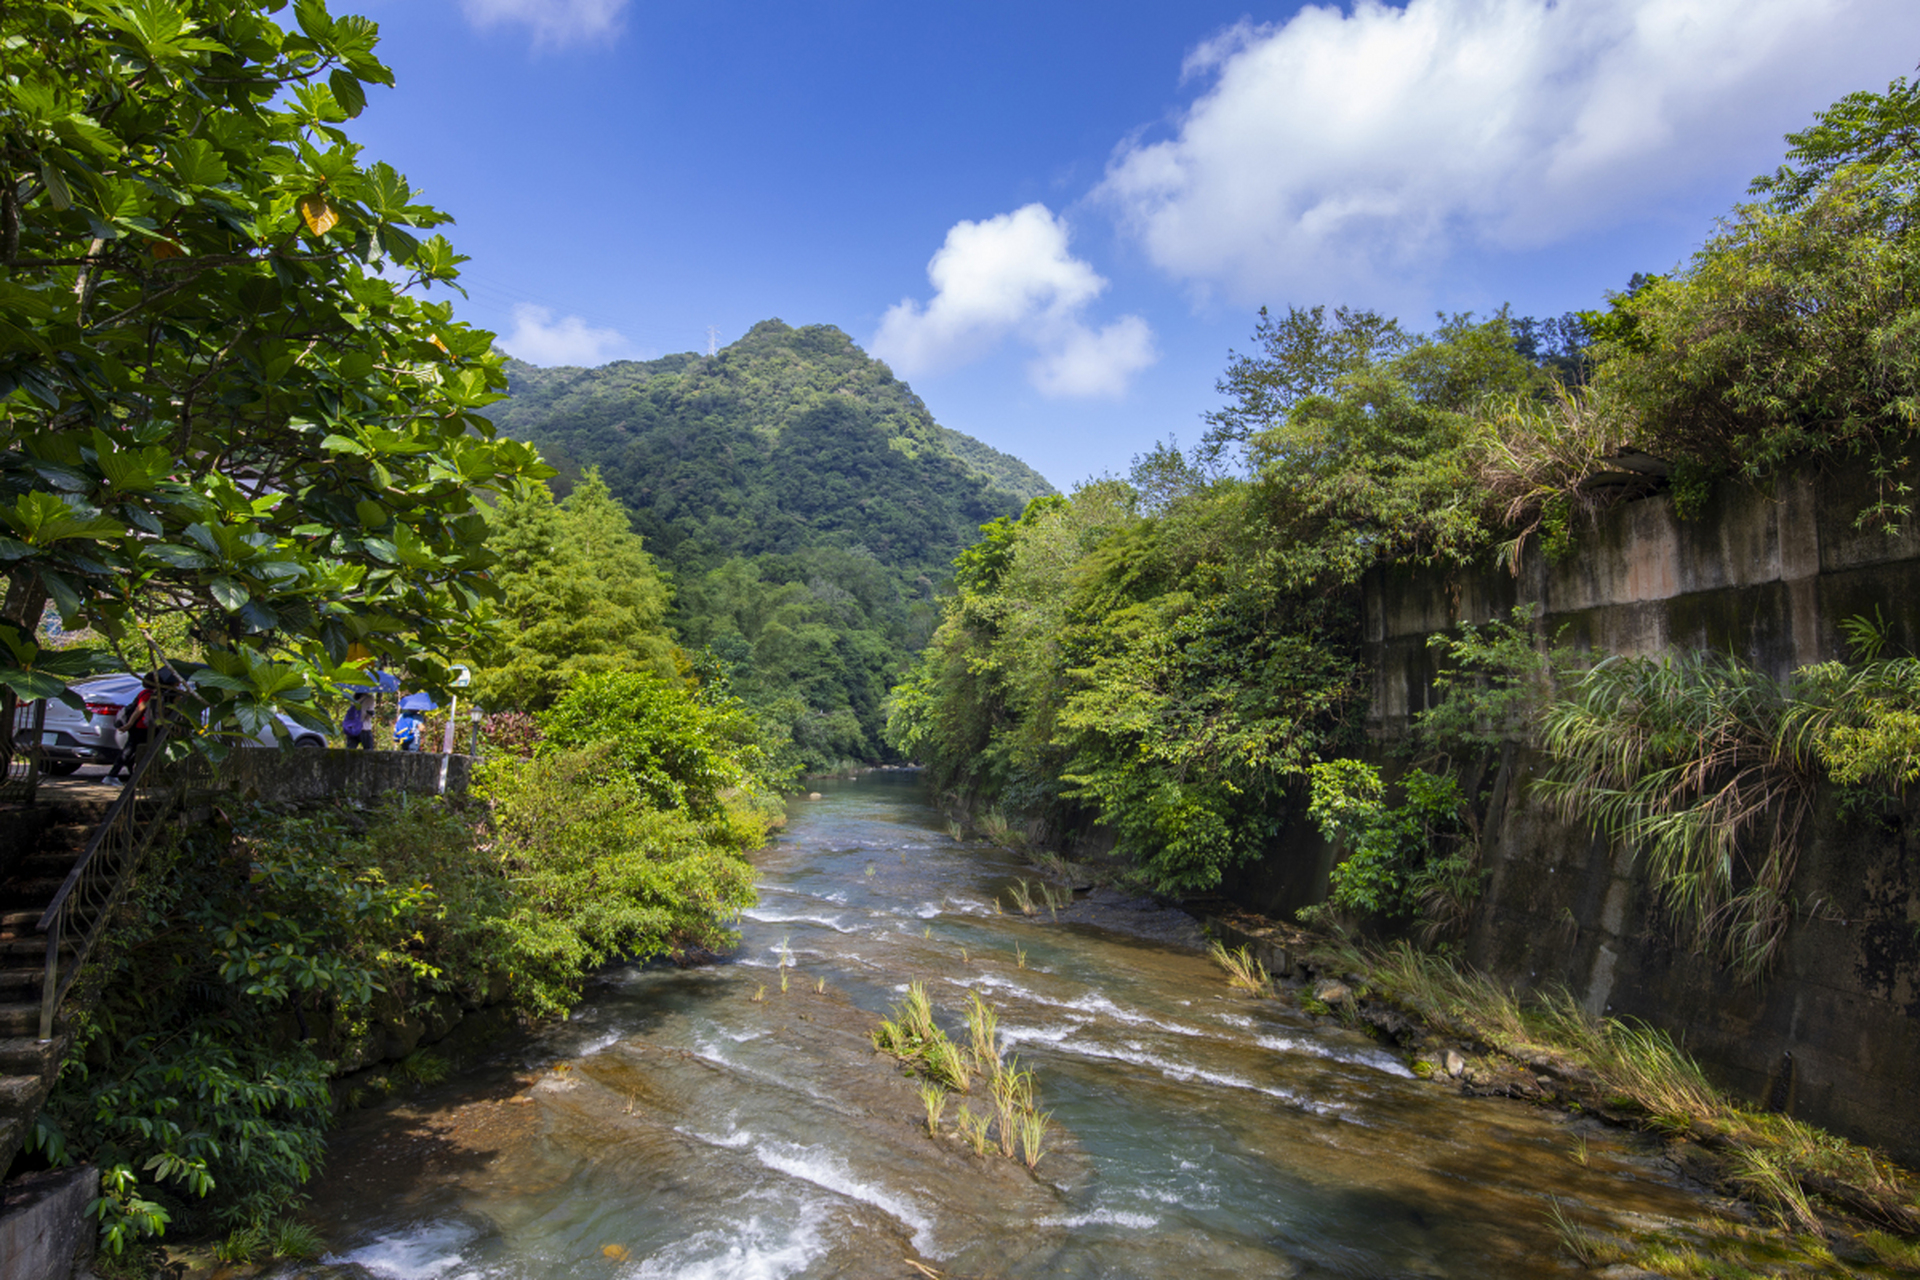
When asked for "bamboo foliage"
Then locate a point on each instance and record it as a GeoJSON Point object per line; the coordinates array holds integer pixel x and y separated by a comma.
{"type": "Point", "coordinates": [1689, 761]}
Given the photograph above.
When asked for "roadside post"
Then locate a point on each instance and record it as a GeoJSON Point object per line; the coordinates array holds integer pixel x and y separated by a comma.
{"type": "Point", "coordinates": [462, 677]}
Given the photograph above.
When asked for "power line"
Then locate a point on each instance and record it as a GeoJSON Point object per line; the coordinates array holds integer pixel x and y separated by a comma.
{"type": "Point", "coordinates": [713, 340]}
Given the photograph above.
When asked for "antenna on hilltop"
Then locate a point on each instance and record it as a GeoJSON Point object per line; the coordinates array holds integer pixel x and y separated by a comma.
{"type": "Point", "coordinates": [713, 340]}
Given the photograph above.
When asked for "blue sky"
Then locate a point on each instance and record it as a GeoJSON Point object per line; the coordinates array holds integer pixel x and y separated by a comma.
{"type": "Point", "coordinates": [1055, 219]}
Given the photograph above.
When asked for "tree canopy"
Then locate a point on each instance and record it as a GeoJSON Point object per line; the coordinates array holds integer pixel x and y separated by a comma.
{"type": "Point", "coordinates": [224, 391]}
{"type": "Point", "coordinates": [578, 594]}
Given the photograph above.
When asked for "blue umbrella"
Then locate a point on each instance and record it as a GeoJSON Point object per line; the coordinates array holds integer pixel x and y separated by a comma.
{"type": "Point", "coordinates": [384, 682]}
{"type": "Point", "coordinates": [418, 702]}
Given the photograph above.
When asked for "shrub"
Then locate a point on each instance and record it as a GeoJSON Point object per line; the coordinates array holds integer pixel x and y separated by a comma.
{"type": "Point", "coordinates": [1412, 860]}
{"type": "Point", "coordinates": [681, 750]}
{"type": "Point", "coordinates": [599, 874]}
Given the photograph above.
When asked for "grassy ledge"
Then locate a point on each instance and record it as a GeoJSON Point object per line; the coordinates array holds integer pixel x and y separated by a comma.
{"type": "Point", "coordinates": [1826, 1206]}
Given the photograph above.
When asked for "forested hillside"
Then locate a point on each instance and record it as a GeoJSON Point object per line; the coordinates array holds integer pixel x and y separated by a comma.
{"type": "Point", "coordinates": [803, 500]}
{"type": "Point", "coordinates": [788, 439]}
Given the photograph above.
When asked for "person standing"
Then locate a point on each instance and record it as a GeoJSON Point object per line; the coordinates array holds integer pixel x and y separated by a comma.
{"type": "Point", "coordinates": [358, 725]}
{"type": "Point", "coordinates": [406, 730]}
{"type": "Point", "coordinates": [132, 729]}
{"type": "Point", "coordinates": [134, 725]}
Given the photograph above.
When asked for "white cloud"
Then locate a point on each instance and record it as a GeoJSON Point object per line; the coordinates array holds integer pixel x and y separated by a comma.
{"type": "Point", "coordinates": [1347, 148]}
{"type": "Point", "coordinates": [553, 22]}
{"type": "Point", "coordinates": [1094, 363]}
{"type": "Point", "coordinates": [1011, 275]}
{"type": "Point", "coordinates": [539, 339]}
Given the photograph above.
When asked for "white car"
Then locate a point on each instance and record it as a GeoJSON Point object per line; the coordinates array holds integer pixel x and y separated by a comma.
{"type": "Point", "coordinates": [72, 738]}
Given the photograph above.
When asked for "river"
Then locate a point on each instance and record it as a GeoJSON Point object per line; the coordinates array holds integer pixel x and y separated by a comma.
{"type": "Point", "coordinates": [703, 1123]}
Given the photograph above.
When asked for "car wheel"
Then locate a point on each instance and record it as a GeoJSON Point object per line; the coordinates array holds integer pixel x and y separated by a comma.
{"type": "Point", "coordinates": [310, 742]}
{"type": "Point", "coordinates": [59, 768]}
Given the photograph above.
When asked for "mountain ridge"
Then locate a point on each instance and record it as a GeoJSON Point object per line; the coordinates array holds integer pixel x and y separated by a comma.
{"type": "Point", "coordinates": [804, 503]}
{"type": "Point", "coordinates": [766, 383]}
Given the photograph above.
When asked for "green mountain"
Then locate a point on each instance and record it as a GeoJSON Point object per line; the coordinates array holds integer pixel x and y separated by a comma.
{"type": "Point", "coordinates": [802, 499]}
{"type": "Point", "coordinates": [786, 440]}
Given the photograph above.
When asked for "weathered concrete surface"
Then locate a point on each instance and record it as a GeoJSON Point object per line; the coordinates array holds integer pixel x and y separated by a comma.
{"type": "Point", "coordinates": [45, 1233]}
{"type": "Point", "coordinates": [1768, 575]}
{"type": "Point", "coordinates": [1833, 1034]}
{"type": "Point", "coordinates": [297, 774]}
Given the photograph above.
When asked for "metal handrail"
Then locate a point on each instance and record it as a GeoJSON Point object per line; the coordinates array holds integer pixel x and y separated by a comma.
{"type": "Point", "coordinates": [100, 878]}
{"type": "Point", "coordinates": [29, 726]}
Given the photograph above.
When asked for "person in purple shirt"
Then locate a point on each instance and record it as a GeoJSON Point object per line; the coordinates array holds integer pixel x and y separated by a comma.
{"type": "Point", "coordinates": [358, 726]}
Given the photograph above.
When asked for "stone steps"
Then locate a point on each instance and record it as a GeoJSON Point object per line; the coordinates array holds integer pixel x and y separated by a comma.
{"type": "Point", "coordinates": [38, 863]}
{"type": "Point", "coordinates": [23, 893]}
{"type": "Point", "coordinates": [20, 1018]}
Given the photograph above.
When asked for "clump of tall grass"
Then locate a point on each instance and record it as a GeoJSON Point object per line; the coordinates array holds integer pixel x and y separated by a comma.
{"type": "Point", "coordinates": [934, 1096]}
{"type": "Point", "coordinates": [1022, 896]}
{"type": "Point", "coordinates": [1767, 1177]}
{"type": "Point", "coordinates": [994, 826]}
{"type": "Point", "coordinates": [1692, 761]}
{"type": "Point", "coordinates": [241, 1244]}
{"type": "Point", "coordinates": [296, 1240]}
{"type": "Point", "coordinates": [974, 1128]}
{"type": "Point", "coordinates": [1581, 1244]}
{"type": "Point", "coordinates": [1033, 1136]}
{"type": "Point", "coordinates": [946, 1062]}
{"type": "Point", "coordinates": [1243, 970]}
{"type": "Point", "coordinates": [983, 1031]}
{"type": "Point", "coordinates": [913, 1036]}
{"type": "Point", "coordinates": [1532, 457]}
{"type": "Point", "coordinates": [1052, 866]}
{"type": "Point", "coordinates": [422, 1066]}
{"type": "Point", "coordinates": [911, 1026]}
{"type": "Point", "coordinates": [1012, 1100]}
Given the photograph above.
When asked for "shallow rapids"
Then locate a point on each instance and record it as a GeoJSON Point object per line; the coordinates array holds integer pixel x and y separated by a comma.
{"type": "Point", "coordinates": [704, 1123]}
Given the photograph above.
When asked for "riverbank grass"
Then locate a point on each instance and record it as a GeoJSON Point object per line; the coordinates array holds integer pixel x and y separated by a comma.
{"type": "Point", "coordinates": [1243, 971]}
{"type": "Point", "coordinates": [1810, 1183]}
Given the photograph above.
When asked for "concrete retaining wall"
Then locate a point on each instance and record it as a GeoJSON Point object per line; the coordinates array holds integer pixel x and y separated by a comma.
{"type": "Point", "coordinates": [1833, 1034]}
{"type": "Point", "coordinates": [293, 775]}
{"type": "Point", "coordinates": [45, 1232]}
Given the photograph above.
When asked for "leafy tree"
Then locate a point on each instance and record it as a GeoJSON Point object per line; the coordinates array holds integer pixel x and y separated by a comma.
{"type": "Point", "coordinates": [1175, 673]}
{"type": "Point", "coordinates": [1400, 861]}
{"type": "Point", "coordinates": [1298, 356]}
{"type": "Point", "coordinates": [683, 748]}
{"type": "Point", "coordinates": [578, 594]}
{"type": "Point", "coordinates": [223, 391]}
{"type": "Point", "coordinates": [1870, 137]}
{"type": "Point", "coordinates": [1792, 332]}
{"type": "Point", "coordinates": [602, 873]}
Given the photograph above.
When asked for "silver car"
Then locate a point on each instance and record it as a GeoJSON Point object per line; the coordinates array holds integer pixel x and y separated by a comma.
{"type": "Point", "coordinates": [71, 738]}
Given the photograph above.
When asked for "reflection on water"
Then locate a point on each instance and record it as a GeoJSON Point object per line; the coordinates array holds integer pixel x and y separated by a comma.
{"type": "Point", "coordinates": [702, 1123]}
